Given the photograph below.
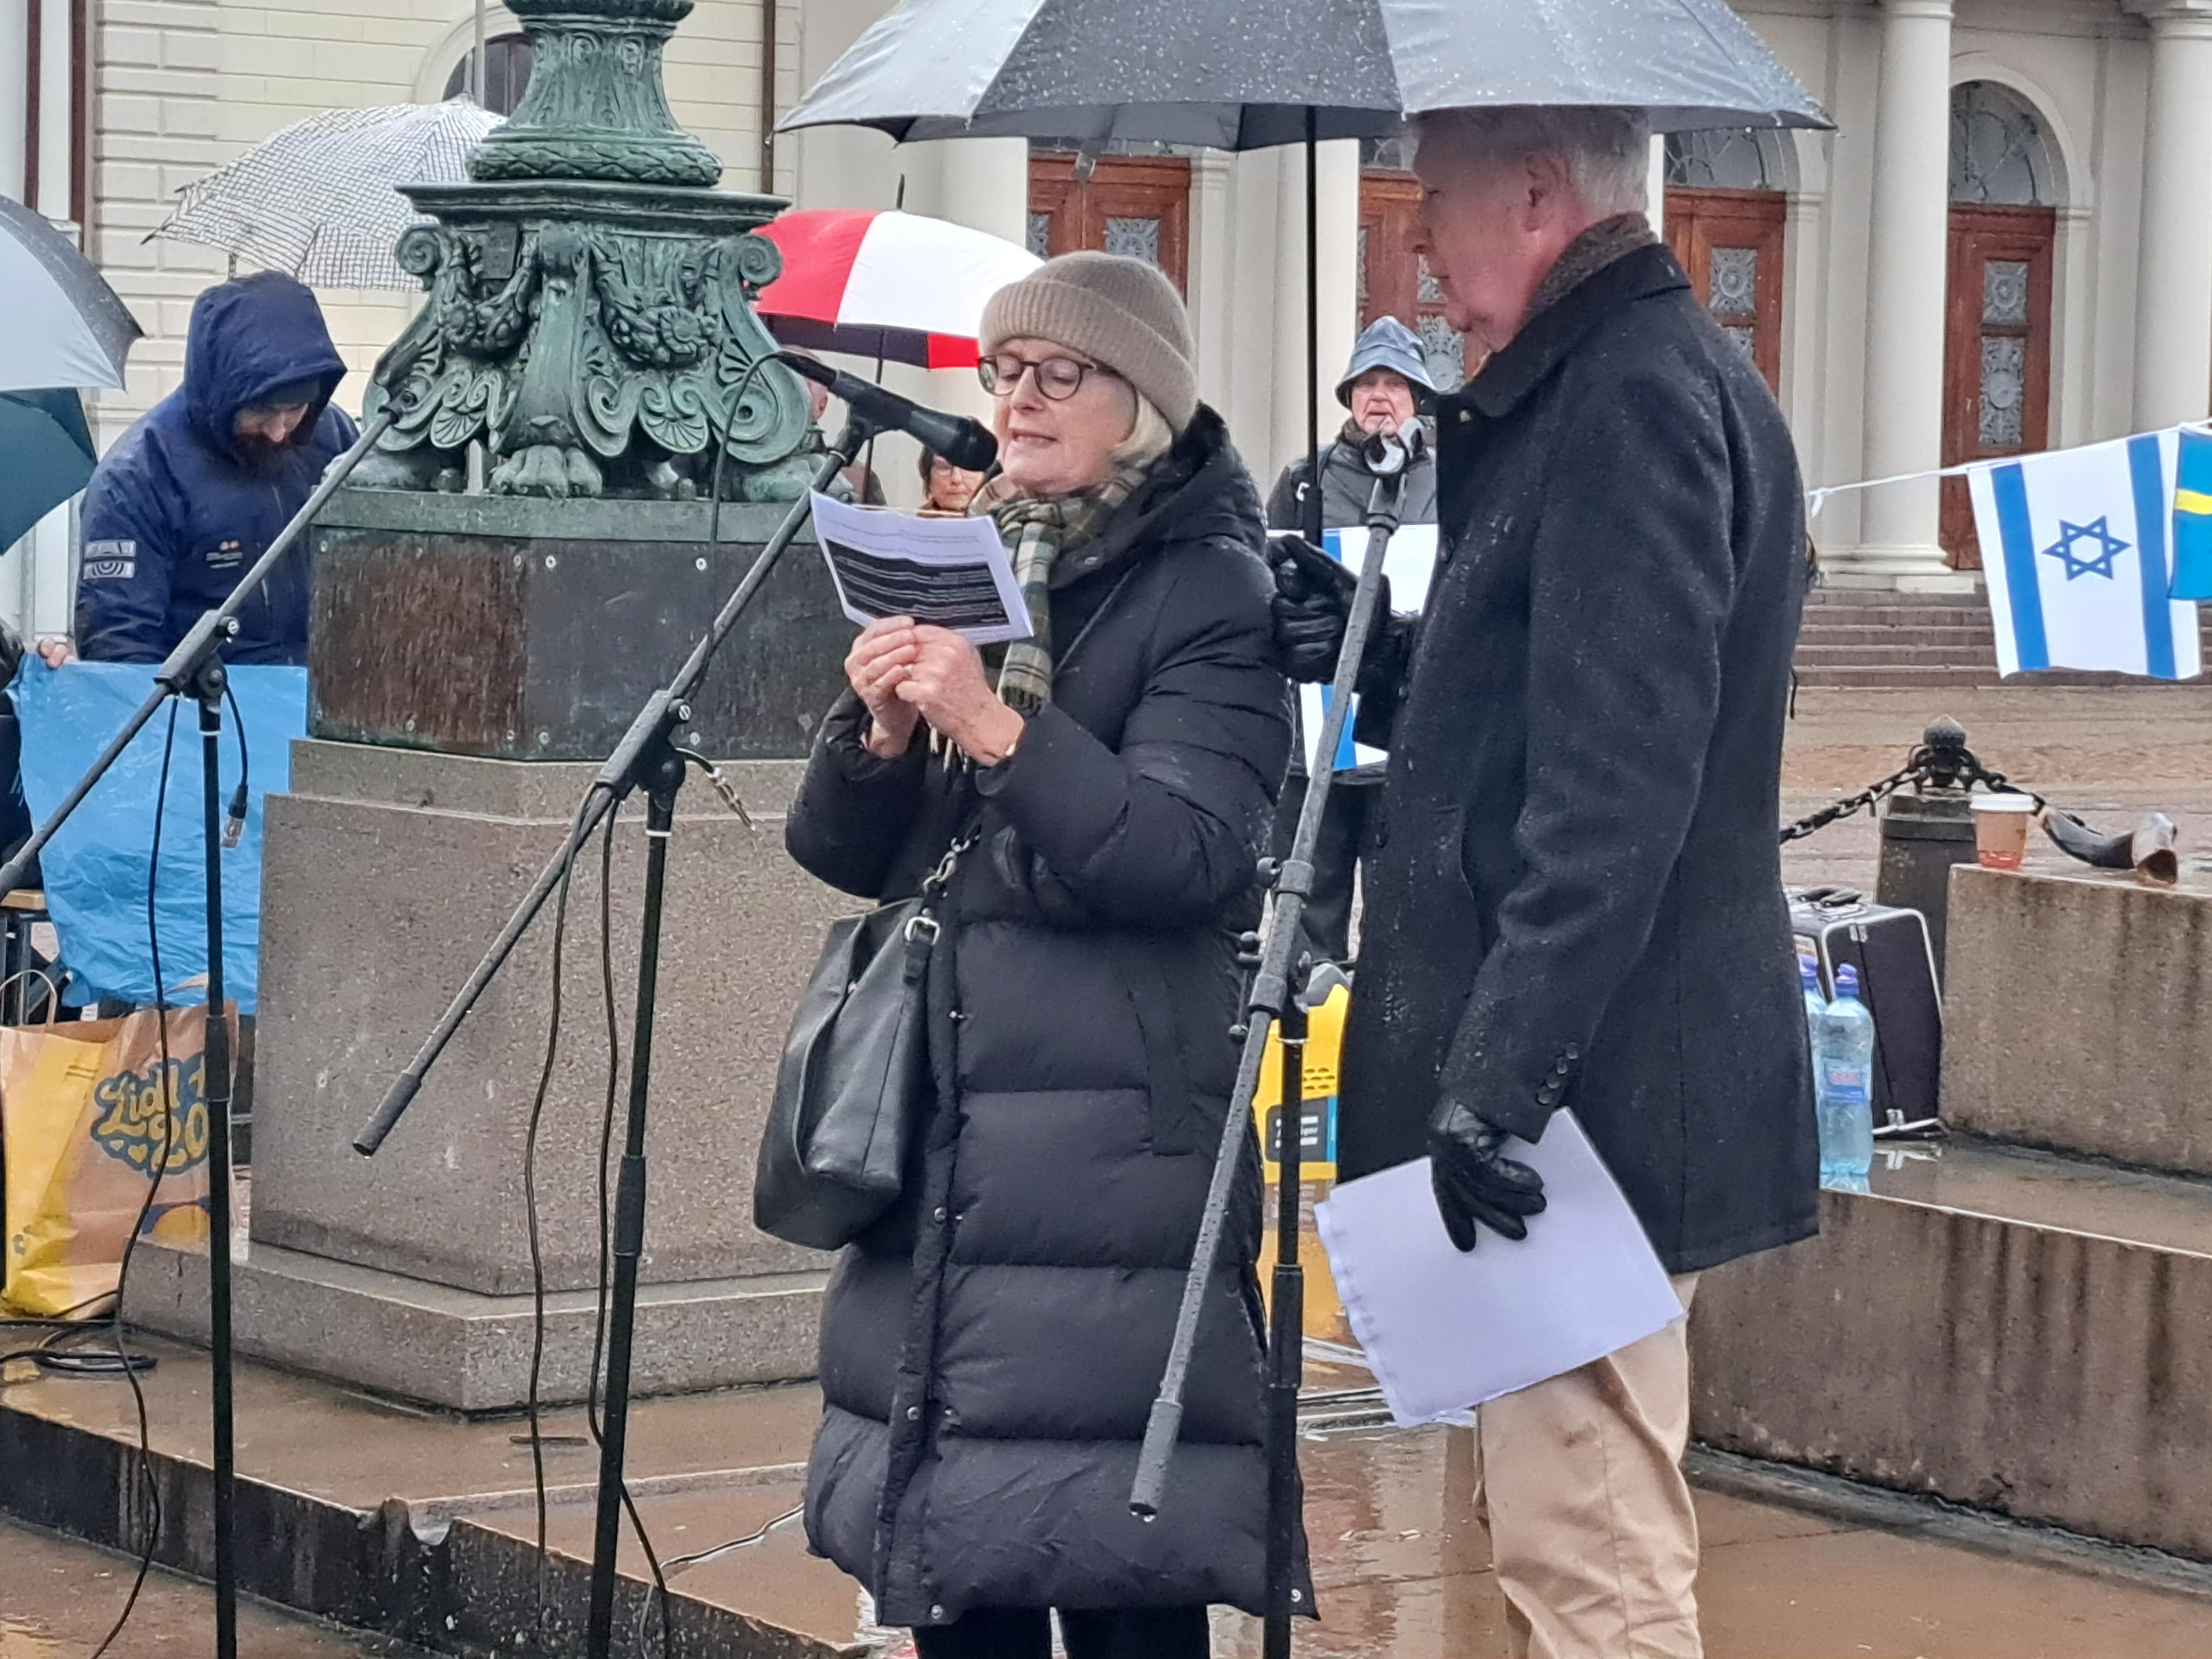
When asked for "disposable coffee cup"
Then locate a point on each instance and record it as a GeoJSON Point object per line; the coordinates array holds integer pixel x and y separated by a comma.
{"type": "Point", "coordinates": [2001, 829]}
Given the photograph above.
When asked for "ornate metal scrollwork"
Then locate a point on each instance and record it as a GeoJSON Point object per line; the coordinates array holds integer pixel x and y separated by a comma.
{"type": "Point", "coordinates": [588, 315]}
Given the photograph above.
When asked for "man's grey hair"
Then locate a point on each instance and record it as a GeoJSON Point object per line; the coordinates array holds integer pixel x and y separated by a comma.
{"type": "Point", "coordinates": [1607, 151]}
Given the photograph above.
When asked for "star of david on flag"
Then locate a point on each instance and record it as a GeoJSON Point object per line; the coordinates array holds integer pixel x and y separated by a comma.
{"type": "Point", "coordinates": [2078, 554]}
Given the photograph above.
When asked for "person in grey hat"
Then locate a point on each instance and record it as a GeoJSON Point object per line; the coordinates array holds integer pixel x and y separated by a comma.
{"type": "Point", "coordinates": [1385, 388]}
{"type": "Point", "coordinates": [990, 1347]}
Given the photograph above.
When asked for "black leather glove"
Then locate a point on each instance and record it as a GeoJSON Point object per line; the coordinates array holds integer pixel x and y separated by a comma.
{"type": "Point", "coordinates": [1312, 604]}
{"type": "Point", "coordinates": [1474, 1182]}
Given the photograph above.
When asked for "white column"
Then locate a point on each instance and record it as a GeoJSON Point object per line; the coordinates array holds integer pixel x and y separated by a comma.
{"type": "Point", "coordinates": [2174, 281]}
{"type": "Point", "coordinates": [1908, 257]}
{"type": "Point", "coordinates": [983, 184]}
{"type": "Point", "coordinates": [1337, 196]}
{"type": "Point", "coordinates": [1654, 192]}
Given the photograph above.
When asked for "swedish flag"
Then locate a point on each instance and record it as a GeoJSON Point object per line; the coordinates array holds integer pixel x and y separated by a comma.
{"type": "Point", "coordinates": [2192, 519]}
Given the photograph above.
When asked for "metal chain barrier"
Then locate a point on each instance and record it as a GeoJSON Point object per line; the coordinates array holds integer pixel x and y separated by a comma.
{"type": "Point", "coordinates": [1941, 760]}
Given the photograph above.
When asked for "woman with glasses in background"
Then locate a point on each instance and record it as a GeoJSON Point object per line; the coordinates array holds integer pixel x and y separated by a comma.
{"type": "Point", "coordinates": [991, 1348]}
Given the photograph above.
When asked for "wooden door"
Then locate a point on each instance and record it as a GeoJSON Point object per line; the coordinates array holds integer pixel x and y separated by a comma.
{"type": "Point", "coordinates": [1394, 281]}
{"type": "Point", "coordinates": [1131, 204]}
{"type": "Point", "coordinates": [1996, 354]}
{"type": "Point", "coordinates": [1730, 242]}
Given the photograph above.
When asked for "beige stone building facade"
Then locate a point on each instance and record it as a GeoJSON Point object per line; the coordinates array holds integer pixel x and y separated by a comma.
{"type": "Point", "coordinates": [2007, 245]}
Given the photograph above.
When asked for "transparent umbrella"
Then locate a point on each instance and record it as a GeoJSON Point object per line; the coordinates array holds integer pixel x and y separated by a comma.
{"type": "Point", "coordinates": [321, 199]}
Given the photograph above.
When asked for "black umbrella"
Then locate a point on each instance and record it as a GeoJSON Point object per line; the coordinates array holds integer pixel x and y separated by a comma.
{"type": "Point", "coordinates": [45, 456]}
{"type": "Point", "coordinates": [1251, 74]}
{"type": "Point", "coordinates": [1245, 74]}
{"type": "Point", "coordinates": [66, 330]}
{"type": "Point", "coordinates": [65, 325]}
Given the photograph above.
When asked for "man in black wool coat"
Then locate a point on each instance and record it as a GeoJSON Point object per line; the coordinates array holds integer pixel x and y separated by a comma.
{"type": "Point", "coordinates": [1574, 898]}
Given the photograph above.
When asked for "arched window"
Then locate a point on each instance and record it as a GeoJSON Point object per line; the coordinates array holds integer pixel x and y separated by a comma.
{"type": "Point", "coordinates": [1730, 159]}
{"type": "Point", "coordinates": [507, 72]}
{"type": "Point", "coordinates": [1999, 155]}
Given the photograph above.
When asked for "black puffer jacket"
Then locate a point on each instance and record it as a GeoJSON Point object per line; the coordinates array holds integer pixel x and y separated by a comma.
{"type": "Point", "coordinates": [990, 1351]}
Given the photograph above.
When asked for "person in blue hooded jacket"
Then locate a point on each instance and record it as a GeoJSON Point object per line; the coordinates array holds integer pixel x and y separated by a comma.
{"type": "Point", "coordinates": [191, 496]}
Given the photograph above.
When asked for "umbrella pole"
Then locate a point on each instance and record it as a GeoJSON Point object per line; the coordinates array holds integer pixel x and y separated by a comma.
{"type": "Point", "coordinates": [1286, 1335]}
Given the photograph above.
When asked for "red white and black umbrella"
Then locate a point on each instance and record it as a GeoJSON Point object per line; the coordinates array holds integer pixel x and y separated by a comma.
{"type": "Point", "coordinates": [898, 286]}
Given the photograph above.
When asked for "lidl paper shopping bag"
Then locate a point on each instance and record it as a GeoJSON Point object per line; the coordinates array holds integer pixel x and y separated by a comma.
{"type": "Point", "coordinates": [89, 1127]}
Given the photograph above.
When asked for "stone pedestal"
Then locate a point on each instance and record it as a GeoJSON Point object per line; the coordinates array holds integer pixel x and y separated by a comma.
{"type": "Point", "coordinates": [386, 873]}
{"type": "Point", "coordinates": [2076, 1015]}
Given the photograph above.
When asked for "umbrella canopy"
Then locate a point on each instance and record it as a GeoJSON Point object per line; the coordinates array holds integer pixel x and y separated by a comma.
{"type": "Point", "coordinates": [1243, 74]}
{"type": "Point", "coordinates": [321, 199]}
{"type": "Point", "coordinates": [899, 286]}
{"type": "Point", "coordinates": [45, 456]}
{"type": "Point", "coordinates": [65, 326]}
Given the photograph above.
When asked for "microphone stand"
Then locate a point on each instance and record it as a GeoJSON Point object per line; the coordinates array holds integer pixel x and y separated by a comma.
{"type": "Point", "coordinates": [647, 758]}
{"type": "Point", "coordinates": [1273, 1000]}
{"type": "Point", "coordinates": [195, 670]}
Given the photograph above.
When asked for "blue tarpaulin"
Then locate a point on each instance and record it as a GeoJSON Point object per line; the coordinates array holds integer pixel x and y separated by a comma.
{"type": "Point", "coordinates": [95, 869]}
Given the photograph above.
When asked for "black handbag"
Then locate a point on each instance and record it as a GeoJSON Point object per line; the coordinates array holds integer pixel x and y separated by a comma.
{"type": "Point", "coordinates": [855, 1073]}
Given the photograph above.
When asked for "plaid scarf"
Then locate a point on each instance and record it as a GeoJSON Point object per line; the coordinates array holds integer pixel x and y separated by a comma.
{"type": "Point", "coordinates": [1036, 531]}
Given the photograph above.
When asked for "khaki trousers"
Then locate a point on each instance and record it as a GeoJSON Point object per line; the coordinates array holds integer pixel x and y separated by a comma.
{"type": "Point", "coordinates": [1579, 1481]}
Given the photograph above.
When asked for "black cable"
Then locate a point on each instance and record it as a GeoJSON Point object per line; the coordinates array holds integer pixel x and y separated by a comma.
{"type": "Point", "coordinates": [218, 1226]}
{"type": "Point", "coordinates": [530, 1208]}
{"type": "Point", "coordinates": [68, 1316]}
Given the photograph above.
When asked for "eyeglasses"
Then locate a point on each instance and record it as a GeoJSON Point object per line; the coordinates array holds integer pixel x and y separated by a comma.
{"type": "Point", "coordinates": [1057, 378]}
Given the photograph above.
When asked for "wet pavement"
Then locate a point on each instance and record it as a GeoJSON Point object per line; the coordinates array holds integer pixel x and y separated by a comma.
{"type": "Point", "coordinates": [58, 1598]}
{"type": "Point", "coordinates": [1402, 1568]}
{"type": "Point", "coordinates": [2110, 753]}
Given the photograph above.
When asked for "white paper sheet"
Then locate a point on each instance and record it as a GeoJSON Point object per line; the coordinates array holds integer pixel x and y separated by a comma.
{"type": "Point", "coordinates": [1444, 1331]}
{"type": "Point", "coordinates": [952, 572]}
{"type": "Point", "coordinates": [1409, 561]}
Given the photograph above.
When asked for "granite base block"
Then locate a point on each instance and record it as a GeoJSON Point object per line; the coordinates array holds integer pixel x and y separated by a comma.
{"type": "Point", "coordinates": [2024, 1333]}
{"type": "Point", "coordinates": [386, 874]}
{"type": "Point", "coordinates": [2078, 1015]}
{"type": "Point", "coordinates": [464, 1351]}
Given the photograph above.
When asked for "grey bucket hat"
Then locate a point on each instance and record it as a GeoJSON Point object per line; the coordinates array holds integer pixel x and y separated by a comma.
{"type": "Point", "coordinates": [1388, 344]}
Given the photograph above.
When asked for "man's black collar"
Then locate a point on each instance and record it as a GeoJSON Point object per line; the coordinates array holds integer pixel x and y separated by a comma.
{"type": "Point", "coordinates": [1513, 372]}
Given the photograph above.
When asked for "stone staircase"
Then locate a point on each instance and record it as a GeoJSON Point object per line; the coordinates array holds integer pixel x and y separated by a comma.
{"type": "Point", "coordinates": [2019, 1318]}
{"type": "Point", "coordinates": [1870, 638]}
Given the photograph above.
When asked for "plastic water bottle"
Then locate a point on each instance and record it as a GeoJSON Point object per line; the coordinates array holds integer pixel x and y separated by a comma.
{"type": "Point", "coordinates": [1816, 1008]}
{"type": "Point", "coordinates": [1845, 1074]}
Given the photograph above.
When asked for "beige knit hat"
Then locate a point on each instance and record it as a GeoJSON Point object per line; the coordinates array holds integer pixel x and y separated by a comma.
{"type": "Point", "coordinates": [1121, 312]}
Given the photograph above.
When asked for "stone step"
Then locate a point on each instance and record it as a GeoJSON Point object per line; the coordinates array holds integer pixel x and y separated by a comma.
{"type": "Point", "coordinates": [459, 1351]}
{"type": "Point", "coordinates": [1886, 675]}
{"type": "Point", "coordinates": [1827, 635]}
{"type": "Point", "coordinates": [2110, 1028]}
{"type": "Point", "coordinates": [1908, 651]}
{"type": "Point", "coordinates": [2011, 1329]}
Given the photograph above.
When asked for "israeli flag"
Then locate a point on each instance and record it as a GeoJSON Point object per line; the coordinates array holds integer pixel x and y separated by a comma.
{"type": "Point", "coordinates": [2077, 553]}
{"type": "Point", "coordinates": [1409, 563]}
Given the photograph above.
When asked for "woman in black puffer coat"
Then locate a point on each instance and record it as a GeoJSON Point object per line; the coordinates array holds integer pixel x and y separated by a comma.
{"type": "Point", "coordinates": [991, 1348]}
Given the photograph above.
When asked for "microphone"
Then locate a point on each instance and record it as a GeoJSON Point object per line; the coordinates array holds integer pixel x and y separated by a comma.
{"type": "Point", "coordinates": [965, 443]}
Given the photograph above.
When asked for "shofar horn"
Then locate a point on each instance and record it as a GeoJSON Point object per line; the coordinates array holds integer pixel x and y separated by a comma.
{"type": "Point", "coordinates": [2147, 850]}
{"type": "Point", "coordinates": [2151, 847]}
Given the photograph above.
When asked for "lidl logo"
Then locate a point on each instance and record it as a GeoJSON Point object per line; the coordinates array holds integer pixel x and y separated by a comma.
{"type": "Point", "coordinates": [140, 1122]}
